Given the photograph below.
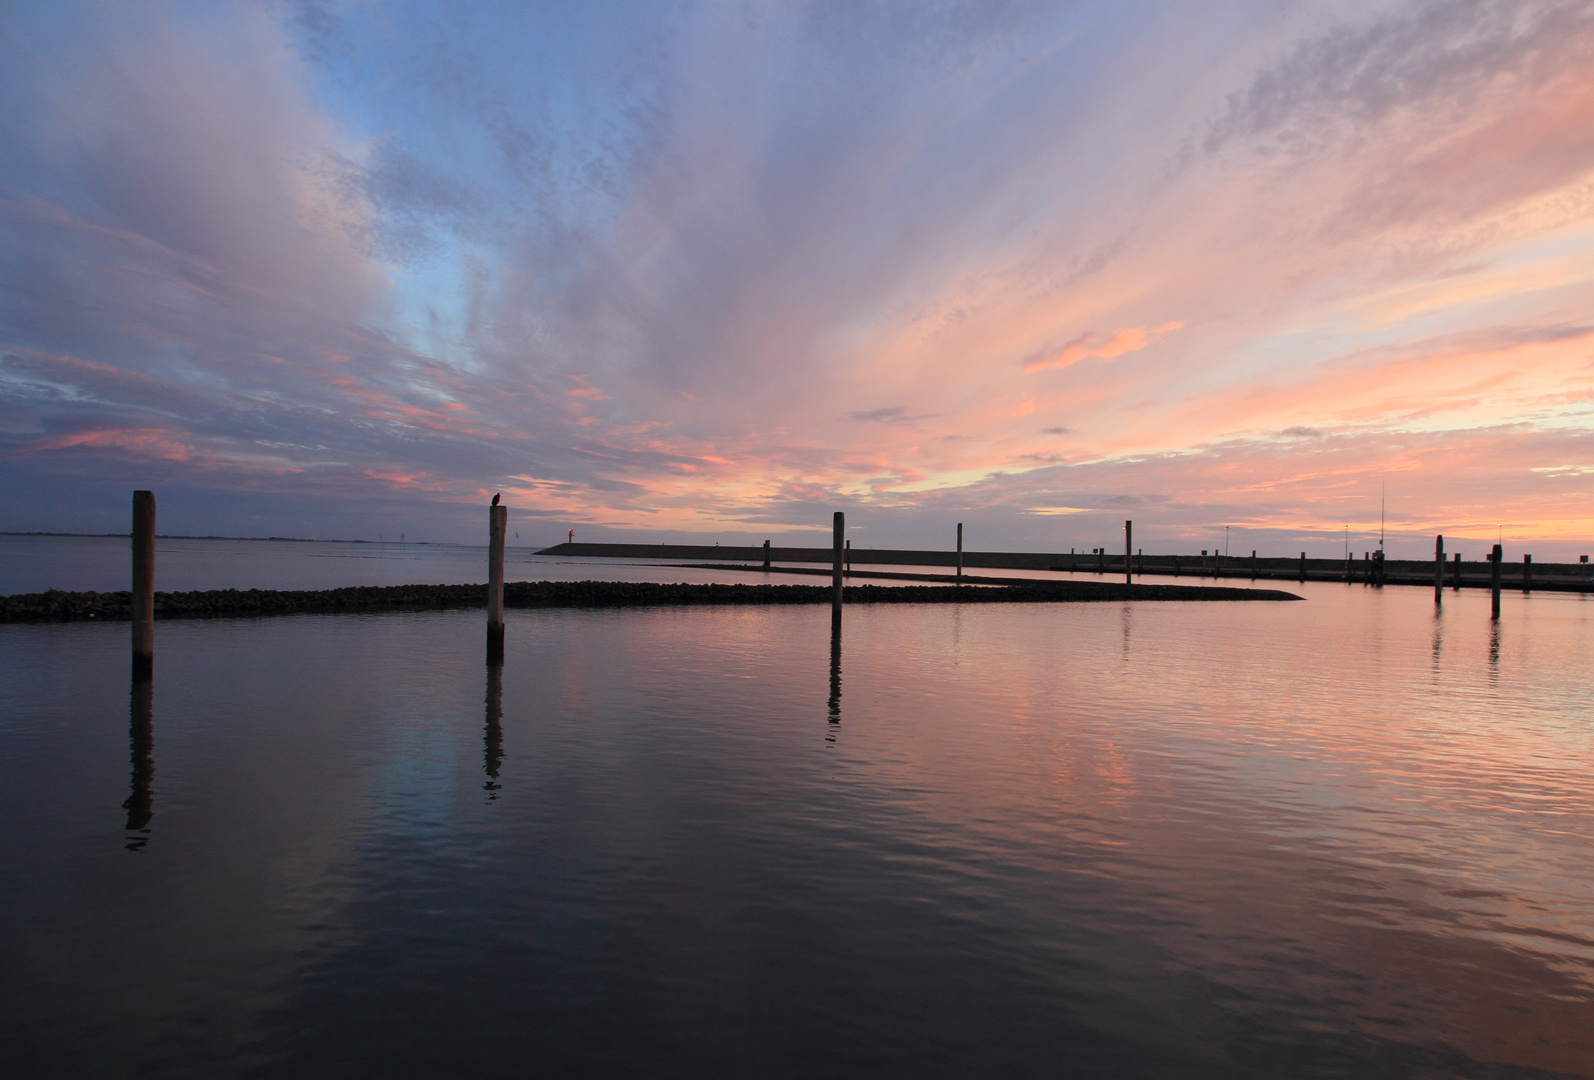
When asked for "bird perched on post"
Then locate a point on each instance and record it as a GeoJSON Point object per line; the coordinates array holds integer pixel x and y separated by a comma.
{"type": "Point", "coordinates": [495, 497]}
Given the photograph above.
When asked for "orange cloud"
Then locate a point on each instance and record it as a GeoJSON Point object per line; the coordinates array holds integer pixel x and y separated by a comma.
{"type": "Point", "coordinates": [1131, 339]}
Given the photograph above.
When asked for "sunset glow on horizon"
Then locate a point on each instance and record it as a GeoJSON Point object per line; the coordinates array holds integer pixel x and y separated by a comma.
{"type": "Point", "coordinates": [654, 270]}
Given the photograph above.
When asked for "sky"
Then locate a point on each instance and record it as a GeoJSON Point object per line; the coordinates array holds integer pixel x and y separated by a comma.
{"type": "Point", "coordinates": [712, 271]}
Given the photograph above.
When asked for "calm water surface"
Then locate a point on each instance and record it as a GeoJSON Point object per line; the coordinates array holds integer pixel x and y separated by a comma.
{"type": "Point", "coordinates": [1346, 837]}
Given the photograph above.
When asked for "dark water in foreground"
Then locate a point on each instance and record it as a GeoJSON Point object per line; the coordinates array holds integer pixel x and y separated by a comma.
{"type": "Point", "coordinates": [1336, 838]}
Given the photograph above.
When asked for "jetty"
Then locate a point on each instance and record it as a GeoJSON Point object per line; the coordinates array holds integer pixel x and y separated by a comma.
{"type": "Point", "coordinates": [1360, 568]}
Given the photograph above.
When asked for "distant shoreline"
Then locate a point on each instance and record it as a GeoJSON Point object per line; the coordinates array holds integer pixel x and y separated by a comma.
{"type": "Point", "coordinates": [57, 606]}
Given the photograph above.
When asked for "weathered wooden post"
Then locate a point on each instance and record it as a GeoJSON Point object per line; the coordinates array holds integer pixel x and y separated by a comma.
{"type": "Point", "coordinates": [1438, 569]}
{"type": "Point", "coordinates": [1494, 576]}
{"type": "Point", "coordinates": [1253, 564]}
{"type": "Point", "coordinates": [1140, 562]}
{"type": "Point", "coordinates": [960, 553]}
{"type": "Point", "coordinates": [1455, 580]}
{"type": "Point", "coordinates": [1527, 573]}
{"type": "Point", "coordinates": [1129, 532]}
{"type": "Point", "coordinates": [497, 525]}
{"type": "Point", "coordinates": [143, 584]}
{"type": "Point", "coordinates": [1101, 560]}
{"type": "Point", "coordinates": [141, 750]}
{"type": "Point", "coordinates": [1303, 568]}
{"type": "Point", "coordinates": [835, 598]}
{"type": "Point", "coordinates": [849, 558]}
{"type": "Point", "coordinates": [766, 554]}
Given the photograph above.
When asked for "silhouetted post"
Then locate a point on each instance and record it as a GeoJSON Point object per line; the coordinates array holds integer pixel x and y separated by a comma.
{"type": "Point", "coordinates": [1101, 560]}
{"type": "Point", "coordinates": [1253, 564]}
{"type": "Point", "coordinates": [1347, 567]}
{"type": "Point", "coordinates": [143, 584]}
{"type": "Point", "coordinates": [1176, 566]}
{"type": "Point", "coordinates": [766, 554]}
{"type": "Point", "coordinates": [141, 750]}
{"type": "Point", "coordinates": [849, 558]}
{"type": "Point", "coordinates": [1527, 573]}
{"type": "Point", "coordinates": [835, 599]}
{"type": "Point", "coordinates": [1303, 568]}
{"type": "Point", "coordinates": [493, 733]}
{"type": "Point", "coordinates": [1438, 568]}
{"type": "Point", "coordinates": [960, 553]}
{"type": "Point", "coordinates": [1494, 576]}
{"type": "Point", "coordinates": [497, 525]}
{"type": "Point", "coordinates": [835, 672]}
{"type": "Point", "coordinates": [1456, 577]}
{"type": "Point", "coordinates": [1129, 532]}
{"type": "Point", "coordinates": [1140, 562]}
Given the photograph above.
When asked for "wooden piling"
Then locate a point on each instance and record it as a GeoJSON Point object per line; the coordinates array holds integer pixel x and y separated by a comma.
{"type": "Point", "coordinates": [143, 584]}
{"type": "Point", "coordinates": [849, 558]}
{"type": "Point", "coordinates": [1303, 568]}
{"type": "Point", "coordinates": [1439, 569]}
{"type": "Point", "coordinates": [1527, 573]}
{"type": "Point", "coordinates": [766, 554]}
{"type": "Point", "coordinates": [1455, 579]}
{"type": "Point", "coordinates": [840, 529]}
{"type": "Point", "coordinates": [960, 553]}
{"type": "Point", "coordinates": [497, 525]}
{"type": "Point", "coordinates": [1253, 564]}
{"type": "Point", "coordinates": [1494, 576]}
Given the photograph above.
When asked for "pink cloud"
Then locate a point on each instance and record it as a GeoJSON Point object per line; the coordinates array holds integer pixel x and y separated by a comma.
{"type": "Point", "coordinates": [1100, 347]}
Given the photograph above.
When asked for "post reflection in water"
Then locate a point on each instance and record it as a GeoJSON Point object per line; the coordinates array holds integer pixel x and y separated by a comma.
{"type": "Point", "coordinates": [493, 737]}
{"type": "Point", "coordinates": [141, 748]}
{"type": "Point", "coordinates": [835, 676]}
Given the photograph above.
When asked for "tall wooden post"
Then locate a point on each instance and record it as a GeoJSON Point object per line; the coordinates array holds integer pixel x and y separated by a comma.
{"type": "Point", "coordinates": [1303, 568]}
{"type": "Point", "coordinates": [1527, 573]}
{"type": "Point", "coordinates": [497, 525]}
{"type": "Point", "coordinates": [849, 558]}
{"type": "Point", "coordinates": [960, 553]}
{"type": "Point", "coordinates": [1455, 579]}
{"type": "Point", "coordinates": [143, 584]}
{"type": "Point", "coordinates": [1438, 569]}
{"type": "Point", "coordinates": [835, 598]}
{"type": "Point", "coordinates": [1129, 532]}
{"type": "Point", "coordinates": [766, 554]}
{"type": "Point", "coordinates": [1494, 576]}
{"type": "Point", "coordinates": [1253, 564]}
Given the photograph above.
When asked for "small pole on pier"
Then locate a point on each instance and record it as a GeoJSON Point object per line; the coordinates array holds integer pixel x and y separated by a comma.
{"type": "Point", "coordinates": [497, 525]}
{"type": "Point", "coordinates": [849, 558]}
{"type": "Point", "coordinates": [835, 599]}
{"type": "Point", "coordinates": [1253, 564]}
{"type": "Point", "coordinates": [1527, 573]}
{"type": "Point", "coordinates": [1494, 576]}
{"type": "Point", "coordinates": [766, 554]}
{"type": "Point", "coordinates": [1439, 569]}
{"type": "Point", "coordinates": [960, 553]}
{"type": "Point", "coordinates": [1140, 562]}
{"type": "Point", "coordinates": [143, 584]}
{"type": "Point", "coordinates": [1129, 532]}
{"type": "Point", "coordinates": [1303, 568]}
